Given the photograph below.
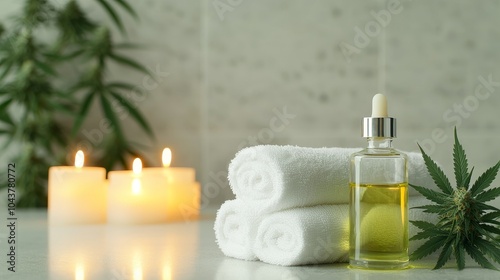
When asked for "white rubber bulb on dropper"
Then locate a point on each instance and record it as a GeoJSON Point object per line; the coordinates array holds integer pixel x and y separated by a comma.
{"type": "Point", "coordinates": [379, 106]}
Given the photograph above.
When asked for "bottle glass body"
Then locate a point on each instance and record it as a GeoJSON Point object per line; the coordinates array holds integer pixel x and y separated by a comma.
{"type": "Point", "coordinates": [378, 207]}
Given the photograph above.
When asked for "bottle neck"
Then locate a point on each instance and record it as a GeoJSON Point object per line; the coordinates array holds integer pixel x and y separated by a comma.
{"type": "Point", "coordinates": [379, 143]}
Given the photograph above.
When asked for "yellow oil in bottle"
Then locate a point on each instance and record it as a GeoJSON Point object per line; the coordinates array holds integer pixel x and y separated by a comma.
{"type": "Point", "coordinates": [379, 226]}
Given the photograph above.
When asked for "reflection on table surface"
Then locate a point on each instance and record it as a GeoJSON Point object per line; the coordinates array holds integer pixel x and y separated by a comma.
{"type": "Point", "coordinates": [111, 252]}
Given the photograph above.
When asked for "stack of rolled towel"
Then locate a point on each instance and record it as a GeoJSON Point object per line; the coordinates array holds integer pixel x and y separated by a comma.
{"type": "Point", "coordinates": [291, 205]}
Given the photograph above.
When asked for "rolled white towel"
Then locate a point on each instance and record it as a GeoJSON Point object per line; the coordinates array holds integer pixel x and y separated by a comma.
{"type": "Point", "coordinates": [235, 229]}
{"type": "Point", "coordinates": [273, 178]}
{"type": "Point", "coordinates": [309, 235]}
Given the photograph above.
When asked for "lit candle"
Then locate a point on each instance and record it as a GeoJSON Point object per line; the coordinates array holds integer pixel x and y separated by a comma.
{"type": "Point", "coordinates": [77, 194]}
{"type": "Point", "coordinates": [136, 197]}
{"type": "Point", "coordinates": [183, 191]}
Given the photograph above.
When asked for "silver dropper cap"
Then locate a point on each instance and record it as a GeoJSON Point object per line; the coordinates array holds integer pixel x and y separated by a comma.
{"type": "Point", "coordinates": [379, 124]}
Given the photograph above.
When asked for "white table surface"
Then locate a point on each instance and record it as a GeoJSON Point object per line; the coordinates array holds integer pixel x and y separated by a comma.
{"type": "Point", "coordinates": [167, 251]}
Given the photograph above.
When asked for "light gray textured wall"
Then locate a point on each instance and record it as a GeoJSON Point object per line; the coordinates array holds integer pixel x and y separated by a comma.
{"type": "Point", "coordinates": [233, 64]}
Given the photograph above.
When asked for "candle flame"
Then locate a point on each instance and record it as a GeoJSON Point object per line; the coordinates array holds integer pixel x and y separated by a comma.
{"type": "Point", "coordinates": [136, 186]}
{"type": "Point", "coordinates": [79, 158]}
{"type": "Point", "coordinates": [137, 166]}
{"type": "Point", "coordinates": [79, 272]}
{"type": "Point", "coordinates": [166, 157]}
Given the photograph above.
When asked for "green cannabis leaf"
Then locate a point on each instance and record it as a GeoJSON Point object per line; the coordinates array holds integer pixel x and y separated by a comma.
{"type": "Point", "coordinates": [466, 223]}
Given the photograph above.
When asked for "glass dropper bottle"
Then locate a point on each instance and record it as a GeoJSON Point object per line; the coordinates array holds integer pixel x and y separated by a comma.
{"type": "Point", "coordinates": [379, 196]}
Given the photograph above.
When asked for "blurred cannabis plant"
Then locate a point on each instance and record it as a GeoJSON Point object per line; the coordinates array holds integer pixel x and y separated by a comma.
{"type": "Point", "coordinates": [37, 93]}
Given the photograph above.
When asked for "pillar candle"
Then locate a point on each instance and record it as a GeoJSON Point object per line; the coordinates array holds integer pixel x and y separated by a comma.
{"type": "Point", "coordinates": [183, 192]}
{"type": "Point", "coordinates": [77, 194]}
{"type": "Point", "coordinates": [136, 197]}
